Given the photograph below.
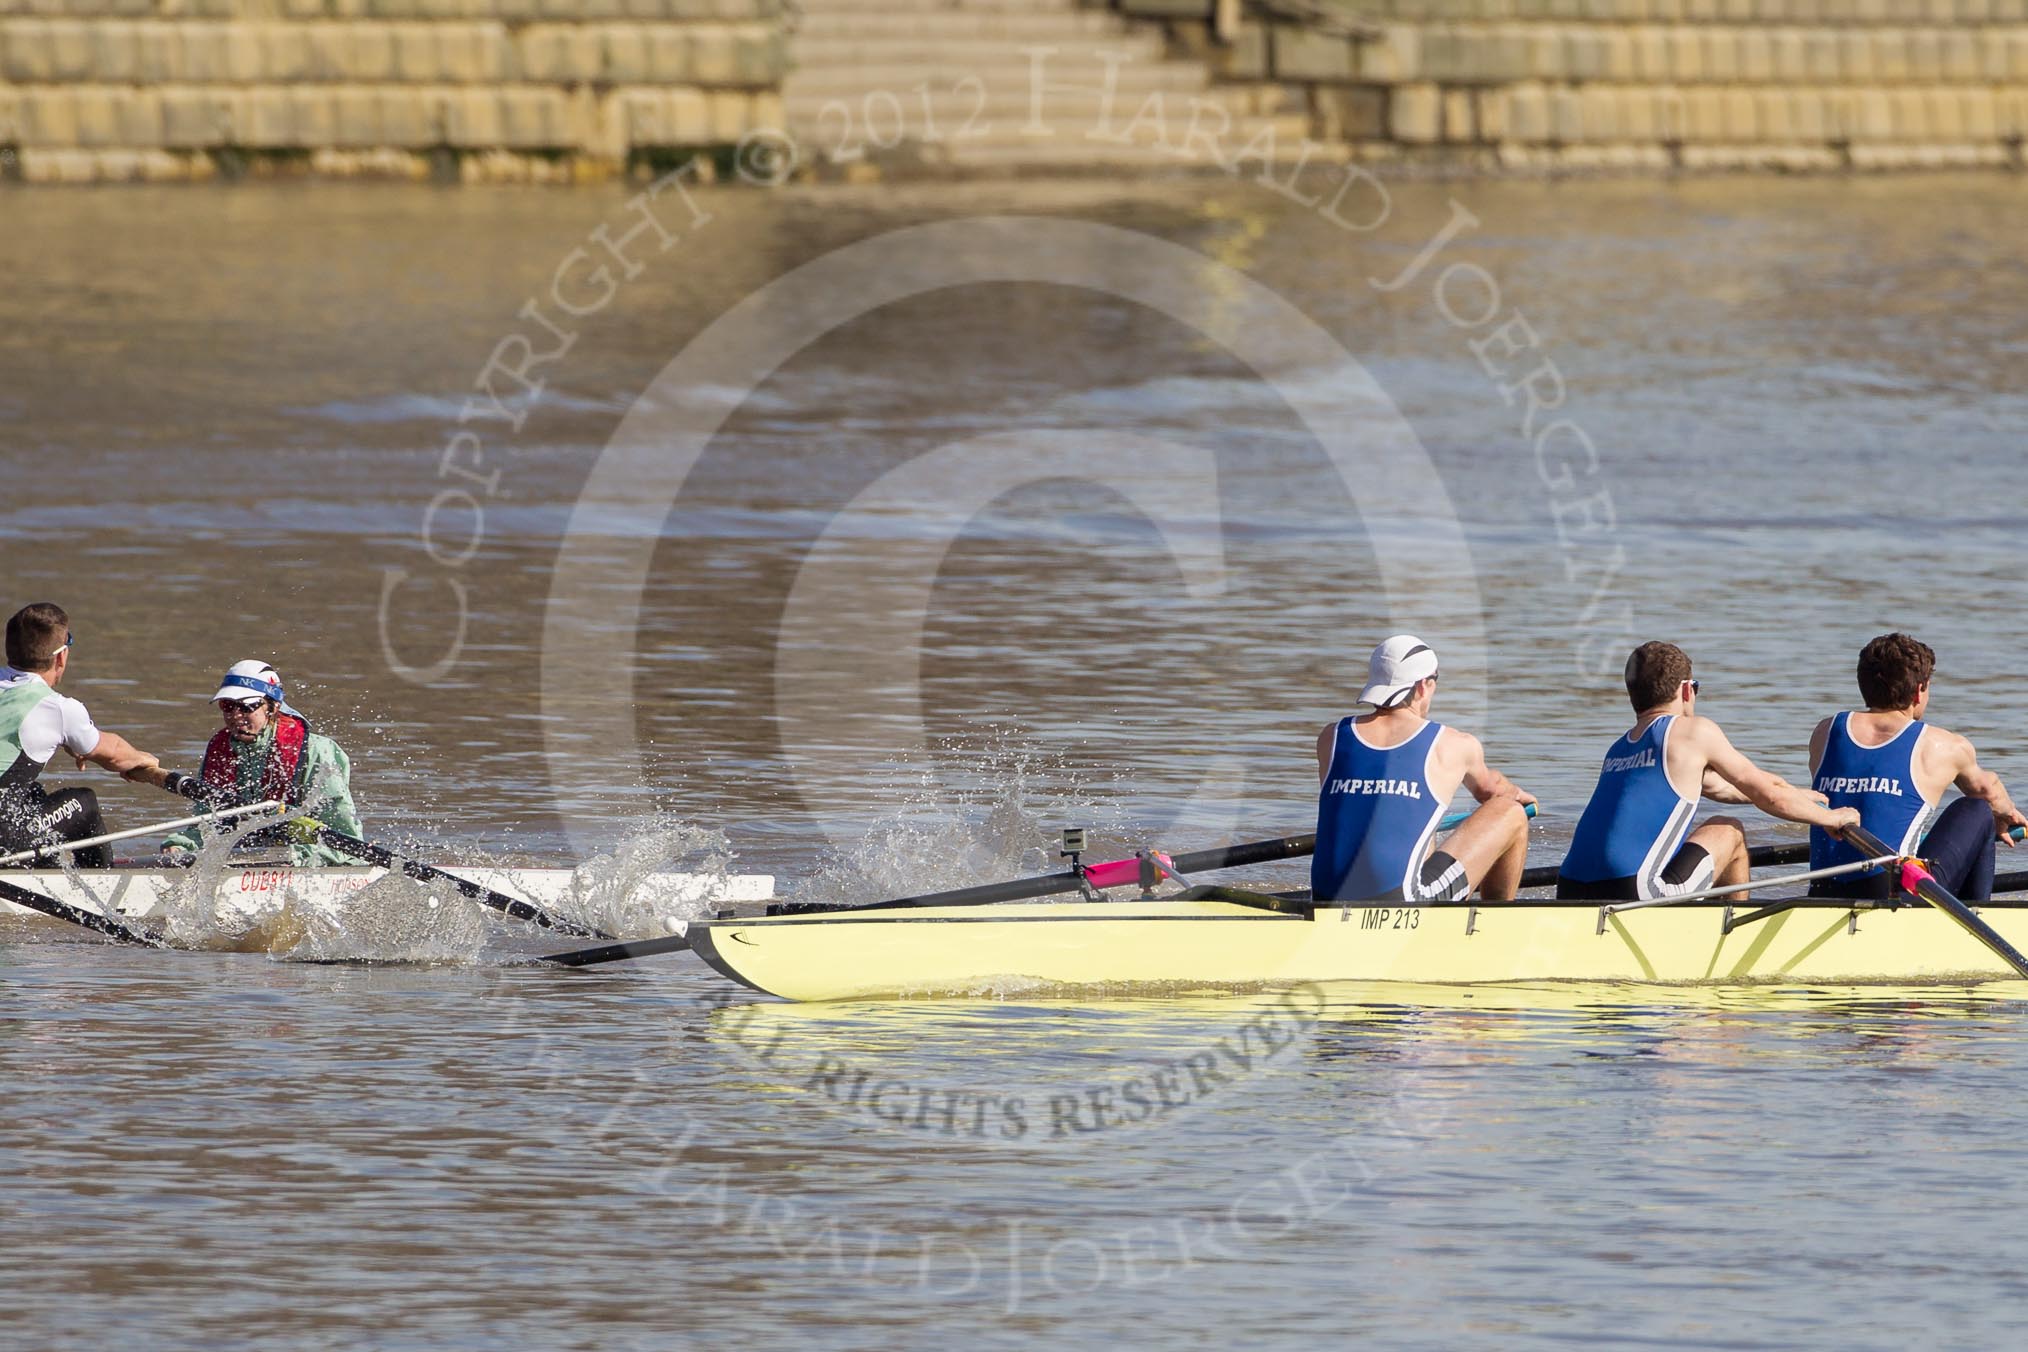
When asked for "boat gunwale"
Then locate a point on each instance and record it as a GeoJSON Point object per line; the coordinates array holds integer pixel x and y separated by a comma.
{"type": "Point", "coordinates": [1084, 910]}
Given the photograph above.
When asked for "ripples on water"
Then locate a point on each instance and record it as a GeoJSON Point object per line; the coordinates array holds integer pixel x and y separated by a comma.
{"type": "Point", "coordinates": [216, 1148]}
{"type": "Point", "coordinates": [1802, 395]}
{"type": "Point", "coordinates": [1806, 400]}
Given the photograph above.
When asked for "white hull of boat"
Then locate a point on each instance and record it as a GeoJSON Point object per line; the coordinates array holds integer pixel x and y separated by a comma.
{"type": "Point", "coordinates": [251, 891]}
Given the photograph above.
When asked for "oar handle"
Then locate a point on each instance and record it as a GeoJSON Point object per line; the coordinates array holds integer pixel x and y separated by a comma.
{"type": "Point", "coordinates": [1457, 819]}
{"type": "Point", "coordinates": [195, 789]}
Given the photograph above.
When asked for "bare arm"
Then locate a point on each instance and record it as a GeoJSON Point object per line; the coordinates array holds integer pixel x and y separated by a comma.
{"type": "Point", "coordinates": [1718, 791]}
{"type": "Point", "coordinates": [1769, 792]}
{"type": "Point", "coordinates": [1327, 743]}
{"type": "Point", "coordinates": [124, 759]}
{"type": "Point", "coordinates": [1482, 781]}
{"type": "Point", "coordinates": [1976, 781]}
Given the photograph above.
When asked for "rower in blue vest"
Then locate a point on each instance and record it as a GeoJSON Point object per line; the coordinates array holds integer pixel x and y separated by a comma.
{"type": "Point", "coordinates": [1894, 768]}
{"type": "Point", "coordinates": [1387, 777]}
{"type": "Point", "coordinates": [36, 723]}
{"type": "Point", "coordinates": [1634, 841]}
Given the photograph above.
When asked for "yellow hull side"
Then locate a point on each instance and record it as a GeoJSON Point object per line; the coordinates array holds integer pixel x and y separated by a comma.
{"type": "Point", "coordinates": [1009, 949]}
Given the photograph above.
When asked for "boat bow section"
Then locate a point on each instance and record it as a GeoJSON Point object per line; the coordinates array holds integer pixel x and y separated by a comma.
{"type": "Point", "coordinates": [1002, 949]}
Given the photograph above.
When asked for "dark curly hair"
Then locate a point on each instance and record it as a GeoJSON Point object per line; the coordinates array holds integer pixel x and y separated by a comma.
{"type": "Point", "coordinates": [1892, 668]}
{"type": "Point", "coordinates": [1654, 672]}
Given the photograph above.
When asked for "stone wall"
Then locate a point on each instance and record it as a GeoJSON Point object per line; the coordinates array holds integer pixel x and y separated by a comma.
{"type": "Point", "coordinates": [1786, 84]}
{"type": "Point", "coordinates": [560, 90]}
{"type": "Point", "coordinates": [471, 89]}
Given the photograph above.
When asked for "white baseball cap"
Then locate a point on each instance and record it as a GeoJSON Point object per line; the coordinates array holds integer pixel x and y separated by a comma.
{"type": "Point", "coordinates": [1394, 668]}
{"type": "Point", "coordinates": [251, 679]}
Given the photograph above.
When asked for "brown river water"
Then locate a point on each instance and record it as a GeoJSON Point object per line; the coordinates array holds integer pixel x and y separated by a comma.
{"type": "Point", "coordinates": [869, 536]}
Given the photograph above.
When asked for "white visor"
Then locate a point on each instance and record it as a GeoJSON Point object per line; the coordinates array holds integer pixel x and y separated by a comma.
{"type": "Point", "coordinates": [1394, 669]}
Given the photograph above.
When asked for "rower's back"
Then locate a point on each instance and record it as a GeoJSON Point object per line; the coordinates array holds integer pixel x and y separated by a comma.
{"type": "Point", "coordinates": [1377, 808]}
{"type": "Point", "coordinates": [1637, 817]}
{"type": "Point", "coordinates": [1878, 777]}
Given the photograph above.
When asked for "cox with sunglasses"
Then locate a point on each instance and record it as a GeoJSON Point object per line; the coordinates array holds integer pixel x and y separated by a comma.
{"type": "Point", "coordinates": [1631, 842]}
{"type": "Point", "coordinates": [266, 750]}
{"type": "Point", "coordinates": [35, 723]}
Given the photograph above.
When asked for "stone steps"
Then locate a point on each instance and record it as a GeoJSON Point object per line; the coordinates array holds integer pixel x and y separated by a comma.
{"type": "Point", "coordinates": [1071, 144]}
{"type": "Point", "coordinates": [358, 11]}
{"type": "Point", "coordinates": [960, 25]}
{"type": "Point", "coordinates": [1494, 53]}
{"type": "Point", "coordinates": [967, 113]}
{"type": "Point", "coordinates": [902, 80]}
{"type": "Point", "coordinates": [1827, 13]}
{"type": "Point", "coordinates": [513, 117]}
{"type": "Point", "coordinates": [985, 56]}
{"type": "Point", "coordinates": [957, 88]}
{"type": "Point", "coordinates": [1535, 114]}
{"type": "Point", "coordinates": [893, 7]}
{"type": "Point", "coordinates": [168, 52]}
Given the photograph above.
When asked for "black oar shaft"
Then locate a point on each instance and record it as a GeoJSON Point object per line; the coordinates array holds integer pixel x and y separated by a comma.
{"type": "Point", "coordinates": [620, 952]}
{"type": "Point", "coordinates": [380, 855]}
{"type": "Point", "coordinates": [1021, 889]}
{"type": "Point", "coordinates": [76, 915]}
{"type": "Point", "coordinates": [1242, 856]}
{"type": "Point", "coordinates": [1933, 892]}
{"type": "Point", "coordinates": [1056, 884]}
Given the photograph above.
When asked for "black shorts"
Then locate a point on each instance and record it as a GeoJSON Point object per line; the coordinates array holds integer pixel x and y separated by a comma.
{"type": "Point", "coordinates": [31, 815]}
{"type": "Point", "coordinates": [1441, 878]}
{"type": "Point", "coordinates": [1689, 871]}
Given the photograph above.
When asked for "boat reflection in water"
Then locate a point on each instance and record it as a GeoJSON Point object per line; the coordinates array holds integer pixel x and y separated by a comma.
{"type": "Point", "coordinates": [1022, 1071]}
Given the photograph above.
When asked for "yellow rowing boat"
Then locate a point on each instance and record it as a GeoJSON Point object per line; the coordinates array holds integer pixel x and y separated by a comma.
{"type": "Point", "coordinates": [1177, 944]}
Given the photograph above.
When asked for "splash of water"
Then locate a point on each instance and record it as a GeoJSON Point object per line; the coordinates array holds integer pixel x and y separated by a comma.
{"type": "Point", "coordinates": [389, 920]}
{"type": "Point", "coordinates": [191, 909]}
{"type": "Point", "coordinates": [654, 878]}
{"type": "Point", "coordinates": [624, 891]}
{"type": "Point", "coordinates": [994, 821]}
{"type": "Point", "coordinates": [392, 920]}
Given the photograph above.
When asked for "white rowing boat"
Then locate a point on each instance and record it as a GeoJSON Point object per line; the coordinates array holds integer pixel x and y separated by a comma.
{"type": "Point", "coordinates": [245, 891]}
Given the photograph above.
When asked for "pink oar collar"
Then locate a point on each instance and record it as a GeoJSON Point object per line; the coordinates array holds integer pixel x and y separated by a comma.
{"type": "Point", "coordinates": [1119, 872]}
